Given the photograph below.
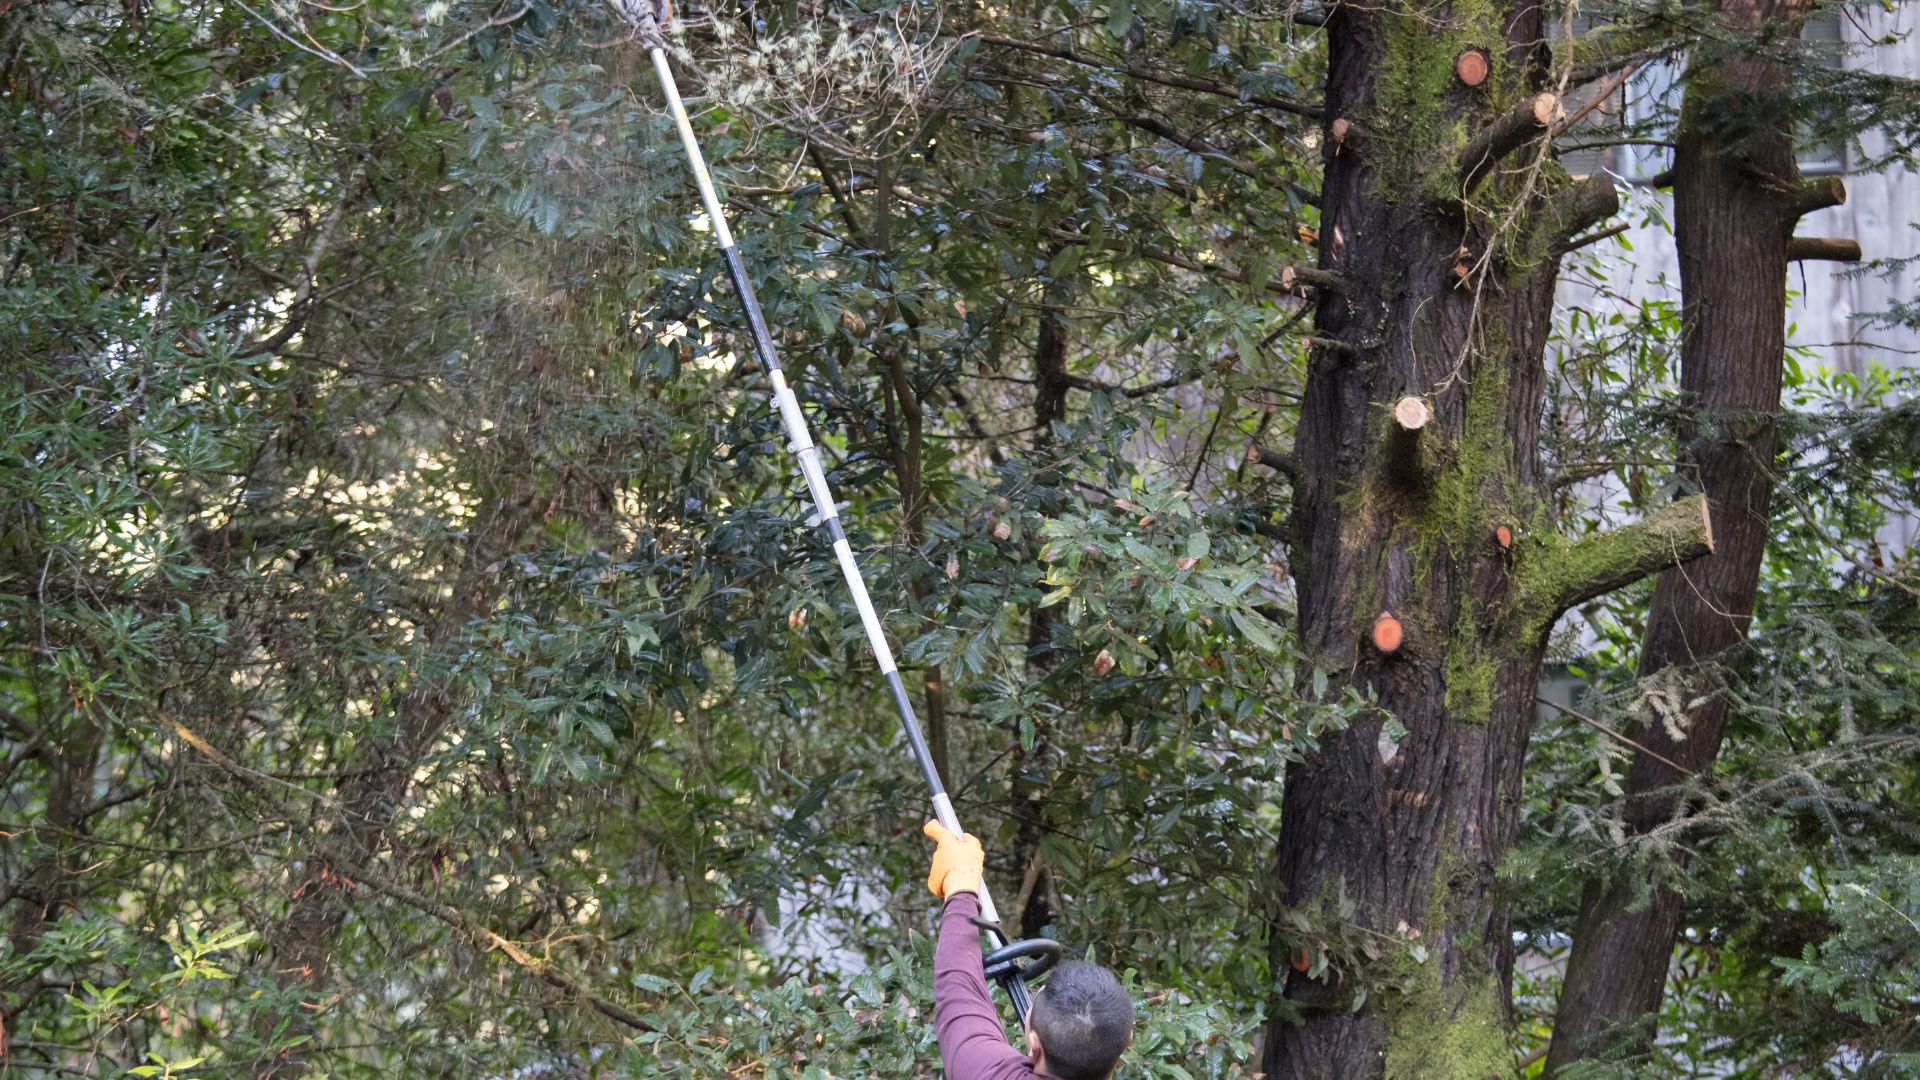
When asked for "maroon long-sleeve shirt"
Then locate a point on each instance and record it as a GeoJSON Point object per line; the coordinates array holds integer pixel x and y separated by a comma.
{"type": "Point", "coordinates": [972, 1044]}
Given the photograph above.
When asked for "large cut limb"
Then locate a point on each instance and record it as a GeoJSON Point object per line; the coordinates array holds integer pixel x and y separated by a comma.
{"type": "Point", "coordinates": [1602, 562]}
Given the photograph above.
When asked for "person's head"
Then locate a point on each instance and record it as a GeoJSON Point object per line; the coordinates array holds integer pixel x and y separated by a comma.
{"type": "Point", "coordinates": [1081, 1022]}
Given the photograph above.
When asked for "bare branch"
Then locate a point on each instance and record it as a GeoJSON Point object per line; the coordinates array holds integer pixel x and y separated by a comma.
{"type": "Point", "coordinates": [1163, 78]}
{"type": "Point", "coordinates": [1079, 382]}
{"type": "Point", "coordinates": [1823, 249]}
{"type": "Point", "coordinates": [1192, 143]}
{"type": "Point", "coordinates": [1279, 462]}
{"type": "Point", "coordinates": [298, 309]}
{"type": "Point", "coordinates": [1593, 238]}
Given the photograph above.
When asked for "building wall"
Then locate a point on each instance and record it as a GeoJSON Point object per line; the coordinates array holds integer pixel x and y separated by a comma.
{"type": "Point", "coordinates": [1831, 304]}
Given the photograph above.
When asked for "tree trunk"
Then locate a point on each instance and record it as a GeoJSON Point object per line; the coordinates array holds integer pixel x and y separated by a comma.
{"type": "Point", "coordinates": [1446, 226]}
{"type": "Point", "coordinates": [1734, 212]}
{"type": "Point", "coordinates": [1033, 908]}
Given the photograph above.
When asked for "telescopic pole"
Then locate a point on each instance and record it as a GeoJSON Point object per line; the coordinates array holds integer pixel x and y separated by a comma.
{"type": "Point", "coordinates": [1007, 972]}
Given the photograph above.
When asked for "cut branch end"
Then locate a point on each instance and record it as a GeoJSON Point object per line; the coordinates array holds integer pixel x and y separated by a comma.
{"type": "Point", "coordinates": [1472, 66]}
{"type": "Point", "coordinates": [1816, 194]}
{"type": "Point", "coordinates": [1387, 632]}
{"type": "Point", "coordinates": [1410, 416]}
{"type": "Point", "coordinates": [1294, 278]}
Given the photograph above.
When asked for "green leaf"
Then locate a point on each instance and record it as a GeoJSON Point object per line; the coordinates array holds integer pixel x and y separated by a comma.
{"type": "Point", "coordinates": [1253, 627]}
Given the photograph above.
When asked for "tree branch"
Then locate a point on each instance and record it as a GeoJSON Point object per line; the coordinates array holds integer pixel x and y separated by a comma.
{"type": "Point", "coordinates": [1279, 462]}
{"type": "Point", "coordinates": [1162, 78]}
{"type": "Point", "coordinates": [1816, 194]}
{"type": "Point", "coordinates": [1080, 382]}
{"type": "Point", "coordinates": [1191, 143]}
{"type": "Point", "coordinates": [1293, 277]}
{"type": "Point", "coordinates": [1068, 236]}
{"type": "Point", "coordinates": [1579, 208]}
{"type": "Point", "coordinates": [1528, 119]}
{"type": "Point", "coordinates": [1823, 249]}
{"type": "Point", "coordinates": [1593, 238]}
{"type": "Point", "coordinates": [352, 868]}
{"type": "Point", "coordinates": [1598, 564]}
{"type": "Point", "coordinates": [298, 309]}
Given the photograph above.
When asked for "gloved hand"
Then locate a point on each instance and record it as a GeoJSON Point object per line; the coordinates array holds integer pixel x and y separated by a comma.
{"type": "Point", "coordinates": [957, 862]}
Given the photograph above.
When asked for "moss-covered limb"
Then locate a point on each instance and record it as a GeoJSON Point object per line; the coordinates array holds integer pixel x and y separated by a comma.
{"type": "Point", "coordinates": [1293, 277]}
{"type": "Point", "coordinates": [1553, 581]}
{"type": "Point", "coordinates": [1528, 119]}
{"type": "Point", "coordinates": [1579, 208]}
{"type": "Point", "coordinates": [1816, 194]}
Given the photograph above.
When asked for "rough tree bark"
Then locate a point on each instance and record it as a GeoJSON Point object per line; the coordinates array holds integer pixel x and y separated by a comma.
{"type": "Point", "coordinates": [1448, 227]}
{"type": "Point", "coordinates": [1737, 197]}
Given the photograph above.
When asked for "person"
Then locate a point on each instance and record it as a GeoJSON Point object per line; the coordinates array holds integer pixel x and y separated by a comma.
{"type": "Point", "coordinates": [1081, 1020]}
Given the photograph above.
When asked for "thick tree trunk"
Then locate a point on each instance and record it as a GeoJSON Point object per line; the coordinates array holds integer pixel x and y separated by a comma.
{"type": "Point", "coordinates": [1734, 213]}
{"type": "Point", "coordinates": [1385, 870]}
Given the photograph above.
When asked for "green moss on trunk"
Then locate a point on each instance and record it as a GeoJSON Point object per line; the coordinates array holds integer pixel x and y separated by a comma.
{"type": "Point", "coordinates": [1448, 1033]}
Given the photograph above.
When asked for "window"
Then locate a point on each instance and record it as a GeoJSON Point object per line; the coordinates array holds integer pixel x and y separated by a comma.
{"type": "Point", "coordinates": [1818, 156]}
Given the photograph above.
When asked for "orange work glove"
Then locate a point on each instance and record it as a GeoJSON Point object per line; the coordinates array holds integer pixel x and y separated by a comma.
{"type": "Point", "coordinates": [957, 862]}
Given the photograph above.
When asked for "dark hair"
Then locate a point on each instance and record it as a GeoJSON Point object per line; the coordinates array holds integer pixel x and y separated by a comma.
{"type": "Point", "coordinates": [1084, 1019]}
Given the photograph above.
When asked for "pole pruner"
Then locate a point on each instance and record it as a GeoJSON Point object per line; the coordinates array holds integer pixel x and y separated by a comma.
{"type": "Point", "coordinates": [1011, 964]}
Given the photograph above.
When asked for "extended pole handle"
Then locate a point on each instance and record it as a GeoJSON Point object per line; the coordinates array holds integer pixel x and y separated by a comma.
{"type": "Point", "coordinates": [646, 20]}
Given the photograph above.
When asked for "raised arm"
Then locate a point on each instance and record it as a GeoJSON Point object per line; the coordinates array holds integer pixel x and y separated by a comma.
{"type": "Point", "coordinates": [973, 1045]}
